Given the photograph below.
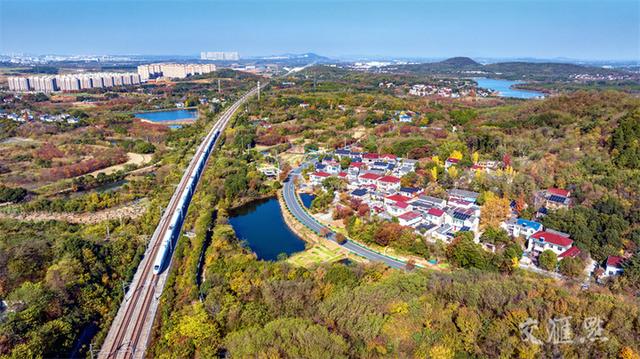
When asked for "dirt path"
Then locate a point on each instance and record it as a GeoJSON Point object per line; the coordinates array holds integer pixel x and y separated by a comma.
{"type": "Point", "coordinates": [133, 209]}
{"type": "Point", "coordinates": [134, 158]}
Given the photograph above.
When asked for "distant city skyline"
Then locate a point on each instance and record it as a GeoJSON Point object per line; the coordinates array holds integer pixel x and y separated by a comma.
{"type": "Point", "coordinates": [541, 29]}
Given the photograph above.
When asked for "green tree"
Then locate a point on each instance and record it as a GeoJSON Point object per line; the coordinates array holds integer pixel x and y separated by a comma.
{"type": "Point", "coordinates": [548, 260]}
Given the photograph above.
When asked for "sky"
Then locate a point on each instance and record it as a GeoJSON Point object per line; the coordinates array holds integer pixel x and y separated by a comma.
{"type": "Point", "coordinates": [577, 29]}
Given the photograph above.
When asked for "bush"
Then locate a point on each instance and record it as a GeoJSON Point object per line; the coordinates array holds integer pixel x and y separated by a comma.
{"type": "Point", "coordinates": [548, 260]}
{"type": "Point", "coordinates": [8, 194]}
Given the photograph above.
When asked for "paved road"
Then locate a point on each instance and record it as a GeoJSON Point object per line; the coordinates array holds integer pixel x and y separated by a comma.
{"type": "Point", "coordinates": [300, 212]}
{"type": "Point", "coordinates": [131, 328]}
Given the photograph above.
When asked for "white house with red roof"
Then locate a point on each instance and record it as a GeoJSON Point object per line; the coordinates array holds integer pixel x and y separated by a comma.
{"type": "Point", "coordinates": [317, 177]}
{"type": "Point", "coordinates": [332, 167]}
{"type": "Point", "coordinates": [410, 219]}
{"type": "Point", "coordinates": [395, 209]}
{"type": "Point", "coordinates": [369, 178]}
{"type": "Point", "coordinates": [389, 158]}
{"type": "Point", "coordinates": [388, 184]}
{"type": "Point", "coordinates": [613, 266]}
{"type": "Point", "coordinates": [451, 162]}
{"type": "Point", "coordinates": [396, 198]}
{"type": "Point", "coordinates": [561, 245]}
{"type": "Point", "coordinates": [436, 216]}
{"type": "Point", "coordinates": [369, 158]}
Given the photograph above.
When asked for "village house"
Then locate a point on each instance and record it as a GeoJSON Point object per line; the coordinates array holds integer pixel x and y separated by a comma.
{"type": "Point", "coordinates": [464, 195]}
{"type": "Point", "coordinates": [436, 216]}
{"type": "Point", "coordinates": [388, 183]}
{"type": "Point", "coordinates": [317, 177]}
{"type": "Point", "coordinates": [521, 227]}
{"type": "Point", "coordinates": [613, 266]}
{"type": "Point", "coordinates": [553, 198]}
{"type": "Point", "coordinates": [410, 219]}
{"type": "Point", "coordinates": [557, 242]}
{"type": "Point", "coordinates": [369, 178]}
{"type": "Point", "coordinates": [451, 162]}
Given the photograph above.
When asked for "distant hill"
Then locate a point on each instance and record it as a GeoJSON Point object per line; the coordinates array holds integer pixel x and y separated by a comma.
{"type": "Point", "coordinates": [460, 62]}
{"type": "Point", "coordinates": [464, 66]}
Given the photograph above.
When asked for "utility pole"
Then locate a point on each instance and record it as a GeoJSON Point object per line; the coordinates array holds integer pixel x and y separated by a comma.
{"type": "Point", "coordinates": [258, 91]}
{"type": "Point", "coordinates": [219, 88]}
{"type": "Point", "coordinates": [91, 350]}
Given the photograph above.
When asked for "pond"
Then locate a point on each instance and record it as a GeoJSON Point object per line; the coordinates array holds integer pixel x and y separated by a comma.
{"type": "Point", "coordinates": [261, 225]}
{"type": "Point", "coordinates": [504, 88]}
{"type": "Point", "coordinates": [307, 199]}
{"type": "Point", "coordinates": [168, 116]}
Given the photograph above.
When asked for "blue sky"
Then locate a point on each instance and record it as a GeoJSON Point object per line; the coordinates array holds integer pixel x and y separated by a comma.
{"type": "Point", "coordinates": [580, 29]}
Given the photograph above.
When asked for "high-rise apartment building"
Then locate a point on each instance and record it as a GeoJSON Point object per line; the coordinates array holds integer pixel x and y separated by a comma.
{"type": "Point", "coordinates": [72, 82]}
{"type": "Point", "coordinates": [220, 55]}
{"type": "Point", "coordinates": [172, 70]}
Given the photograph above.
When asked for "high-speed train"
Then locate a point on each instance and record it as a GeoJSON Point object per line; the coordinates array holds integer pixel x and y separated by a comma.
{"type": "Point", "coordinates": [177, 217]}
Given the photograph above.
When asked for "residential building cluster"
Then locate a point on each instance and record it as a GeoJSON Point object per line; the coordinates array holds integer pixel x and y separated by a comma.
{"type": "Point", "coordinates": [27, 115]}
{"type": "Point", "coordinates": [173, 70]}
{"type": "Point", "coordinates": [72, 82]}
{"type": "Point", "coordinates": [220, 55]}
{"type": "Point", "coordinates": [375, 180]}
{"type": "Point", "coordinates": [448, 89]}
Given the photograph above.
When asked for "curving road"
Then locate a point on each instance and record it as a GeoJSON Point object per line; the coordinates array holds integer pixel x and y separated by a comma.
{"type": "Point", "coordinates": [296, 208]}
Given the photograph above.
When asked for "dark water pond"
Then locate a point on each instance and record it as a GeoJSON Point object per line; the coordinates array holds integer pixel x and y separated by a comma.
{"type": "Point", "coordinates": [261, 225]}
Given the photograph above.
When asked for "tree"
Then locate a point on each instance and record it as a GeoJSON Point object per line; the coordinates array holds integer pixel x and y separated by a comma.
{"type": "Point", "coordinates": [548, 260]}
{"type": "Point", "coordinates": [494, 210]}
{"type": "Point", "coordinates": [387, 232]}
{"type": "Point", "coordinates": [632, 270]}
{"type": "Point", "coordinates": [456, 154]}
{"type": "Point", "coordinates": [495, 235]}
{"type": "Point", "coordinates": [572, 267]}
{"type": "Point", "coordinates": [409, 180]}
{"type": "Point", "coordinates": [463, 252]}
{"type": "Point", "coordinates": [475, 157]}
{"type": "Point", "coordinates": [340, 238]}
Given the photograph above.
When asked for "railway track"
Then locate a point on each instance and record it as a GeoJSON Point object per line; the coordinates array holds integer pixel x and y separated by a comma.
{"type": "Point", "coordinates": [130, 330]}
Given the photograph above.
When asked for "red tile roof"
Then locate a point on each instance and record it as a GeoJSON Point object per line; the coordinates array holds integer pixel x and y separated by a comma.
{"type": "Point", "coordinates": [321, 174]}
{"type": "Point", "coordinates": [435, 212]}
{"type": "Point", "coordinates": [401, 204]}
{"type": "Point", "coordinates": [371, 176]}
{"type": "Point", "coordinates": [398, 198]}
{"type": "Point", "coordinates": [553, 238]}
{"type": "Point", "coordinates": [389, 179]}
{"type": "Point", "coordinates": [571, 252]}
{"type": "Point", "coordinates": [614, 261]}
{"type": "Point", "coordinates": [389, 156]}
{"type": "Point", "coordinates": [342, 174]}
{"type": "Point", "coordinates": [370, 156]}
{"type": "Point", "coordinates": [453, 160]}
{"type": "Point", "coordinates": [559, 192]}
{"type": "Point", "coordinates": [356, 164]}
{"type": "Point", "coordinates": [409, 216]}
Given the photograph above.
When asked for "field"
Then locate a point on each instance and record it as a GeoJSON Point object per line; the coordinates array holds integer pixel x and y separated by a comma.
{"type": "Point", "coordinates": [316, 255]}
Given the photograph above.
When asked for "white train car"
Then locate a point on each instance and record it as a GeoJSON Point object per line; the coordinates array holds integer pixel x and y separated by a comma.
{"type": "Point", "coordinates": [177, 217]}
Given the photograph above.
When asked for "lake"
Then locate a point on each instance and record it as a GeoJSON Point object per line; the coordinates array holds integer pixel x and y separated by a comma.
{"type": "Point", "coordinates": [307, 199]}
{"type": "Point", "coordinates": [261, 225]}
{"type": "Point", "coordinates": [505, 90]}
{"type": "Point", "coordinates": [168, 116]}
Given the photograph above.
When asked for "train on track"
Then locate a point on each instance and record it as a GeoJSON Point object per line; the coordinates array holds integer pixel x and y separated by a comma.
{"type": "Point", "coordinates": [180, 210]}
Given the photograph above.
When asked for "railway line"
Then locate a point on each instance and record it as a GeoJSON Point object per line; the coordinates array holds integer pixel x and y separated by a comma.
{"type": "Point", "coordinates": [131, 328]}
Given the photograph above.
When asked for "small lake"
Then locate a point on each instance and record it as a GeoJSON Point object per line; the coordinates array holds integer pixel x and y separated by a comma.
{"type": "Point", "coordinates": [505, 90]}
{"type": "Point", "coordinates": [307, 199]}
{"type": "Point", "coordinates": [261, 225]}
{"type": "Point", "coordinates": [168, 116]}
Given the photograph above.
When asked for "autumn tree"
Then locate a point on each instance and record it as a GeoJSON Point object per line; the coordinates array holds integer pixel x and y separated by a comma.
{"type": "Point", "coordinates": [494, 210]}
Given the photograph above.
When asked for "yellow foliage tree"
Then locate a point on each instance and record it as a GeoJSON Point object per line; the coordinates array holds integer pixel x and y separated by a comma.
{"type": "Point", "coordinates": [441, 352]}
{"type": "Point", "coordinates": [436, 160]}
{"type": "Point", "coordinates": [453, 171]}
{"type": "Point", "coordinates": [495, 210]}
{"type": "Point", "coordinates": [476, 157]}
{"type": "Point", "coordinates": [434, 173]}
{"type": "Point", "coordinates": [628, 353]}
{"type": "Point", "coordinates": [456, 154]}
